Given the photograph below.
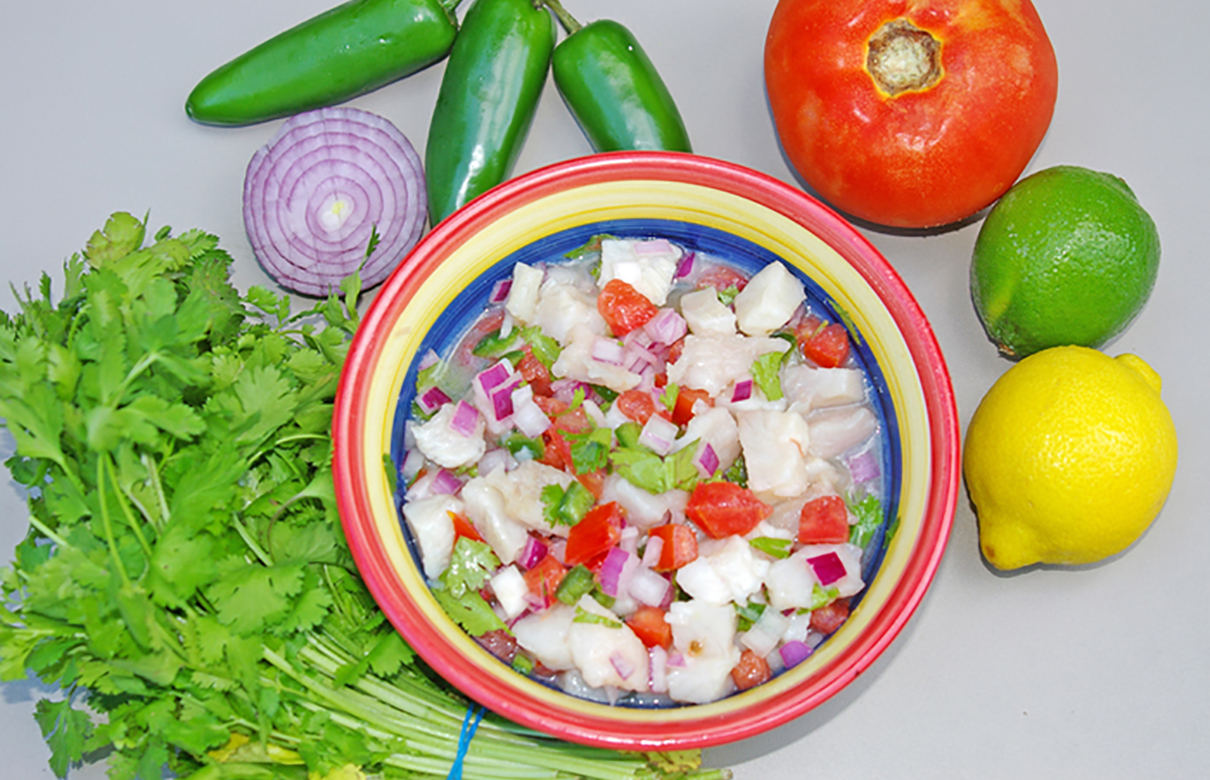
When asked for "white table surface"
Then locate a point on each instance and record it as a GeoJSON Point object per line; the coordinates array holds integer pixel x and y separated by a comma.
{"type": "Point", "coordinates": [1098, 673]}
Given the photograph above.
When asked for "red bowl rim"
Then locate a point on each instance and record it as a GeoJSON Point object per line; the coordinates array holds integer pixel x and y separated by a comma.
{"type": "Point", "coordinates": [682, 730]}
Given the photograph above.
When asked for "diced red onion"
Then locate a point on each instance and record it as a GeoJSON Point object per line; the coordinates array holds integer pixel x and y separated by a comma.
{"type": "Point", "coordinates": [502, 399]}
{"type": "Point", "coordinates": [630, 540]}
{"type": "Point", "coordinates": [491, 378]}
{"type": "Point", "coordinates": [428, 360]}
{"type": "Point", "coordinates": [685, 267]}
{"type": "Point", "coordinates": [621, 665]}
{"type": "Point", "coordinates": [611, 570]}
{"type": "Point", "coordinates": [666, 326]}
{"type": "Point", "coordinates": [653, 246]}
{"type": "Point", "coordinates": [565, 389]}
{"type": "Point", "coordinates": [675, 659]}
{"type": "Point", "coordinates": [864, 466]}
{"type": "Point", "coordinates": [636, 357]}
{"type": "Point", "coordinates": [532, 553]}
{"type": "Point", "coordinates": [637, 338]}
{"type": "Point", "coordinates": [657, 669]}
{"type": "Point", "coordinates": [558, 548]}
{"type": "Point", "coordinates": [464, 419]}
{"type": "Point", "coordinates": [445, 483]}
{"type": "Point", "coordinates": [828, 568]}
{"type": "Point", "coordinates": [497, 458]}
{"type": "Point", "coordinates": [742, 391]}
{"type": "Point", "coordinates": [606, 350]}
{"type": "Point", "coordinates": [648, 587]}
{"type": "Point", "coordinates": [527, 415]}
{"type": "Point", "coordinates": [706, 460]}
{"type": "Point", "coordinates": [327, 181]}
{"type": "Point", "coordinates": [793, 653]}
{"type": "Point", "coordinates": [651, 555]}
{"type": "Point", "coordinates": [432, 400]}
{"type": "Point", "coordinates": [658, 434]}
{"type": "Point", "coordinates": [500, 291]}
{"type": "Point", "coordinates": [413, 461]}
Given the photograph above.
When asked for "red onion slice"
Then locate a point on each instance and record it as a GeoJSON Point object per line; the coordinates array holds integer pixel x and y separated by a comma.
{"type": "Point", "coordinates": [611, 570]}
{"type": "Point", "coordinates": [465, 418]}
{"type": "Point", "coordinates": [706, 460]}
{"type": "Point", "coordinates": [742, 391]}
{"type": "Point", "coordinates": [325, 183]}
{"type": "Point", "coordinates": [658, 435]}
{"type": "Point", "coordinates": [794, 652]}
{"type": "Point", "coordinates": [432, 400]}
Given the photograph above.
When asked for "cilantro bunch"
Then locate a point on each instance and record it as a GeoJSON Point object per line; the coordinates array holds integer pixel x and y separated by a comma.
{"type": "Point", "coordinates": [184, 579]}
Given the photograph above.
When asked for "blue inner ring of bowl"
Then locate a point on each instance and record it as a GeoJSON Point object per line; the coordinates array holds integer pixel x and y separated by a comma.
{"type": "Point", "coordinates": [741, 253]}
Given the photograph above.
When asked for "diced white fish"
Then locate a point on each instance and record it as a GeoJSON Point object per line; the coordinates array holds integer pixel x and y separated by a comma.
{"type": "Point", "coordinates": [562, 306]}
{"type": "Point", "coordinates": [522, 301]}
{"type": "Point", "coordinates": [809, 387]}
{"type": "Point", "coordinates": [576, 361]}
{"type": "Point", "coordinates": [521, 490]}
{"type": "Point", "coordinates": [644, 510]}
{"type": "Point", "coordinates": [775, 446]}
{"type": "Point", "coordinates": [446, 447]}
{"type": "Point", "coordinates": [714, 426]}
{"type": "Point", "coordinates": [607, 652]}
{"type": "Point", "coordinates": [485, 508]}
{"type": "Point", "coordinates": [833, 431]}
{"type": "Point", "coordinates": [714, 363]}
{"type": "Point", "coordinates": [725, 570]}
{"type": "Point", "coordinates": [544, 635]}
{"type": "Point", "coordinates": [789, 583]}
{"type": "Point", "coordinates": [768, 300]}
{"type": "Point", "coordinates": [511, 590]}
{"type": "Point", "coordinates": [647, 265]}
{"type": "Point", "coordinates": [433, 529]}
{"type": "Point", "coordinates": [703, 636]}
{"type": "Point", "coordinates": [706, 315]}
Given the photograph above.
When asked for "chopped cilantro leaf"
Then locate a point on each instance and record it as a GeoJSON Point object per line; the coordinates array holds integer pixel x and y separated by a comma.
{"type": "Point", "coordinates": [778, 548]}
{"type": "Point", "coordinates": [470, 611]}
{"type": "Point", "coordinates": [584, 616]}
{"type": "Point", "coordinates": [765, 371]}
{"type": "Point", "coordinates": [471, 564]}
{"type": "Point", "coordinates": [590, 449]}
{"type": "Point", "coordinates": [868, 512]}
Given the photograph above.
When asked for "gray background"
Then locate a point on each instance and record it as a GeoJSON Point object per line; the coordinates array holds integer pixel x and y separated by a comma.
{"type": "Point", "coordinates": [1094, 673]}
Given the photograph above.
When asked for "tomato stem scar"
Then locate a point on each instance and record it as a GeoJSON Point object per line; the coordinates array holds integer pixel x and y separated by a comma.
{"type": "Point", "coordinates": [901, 58]}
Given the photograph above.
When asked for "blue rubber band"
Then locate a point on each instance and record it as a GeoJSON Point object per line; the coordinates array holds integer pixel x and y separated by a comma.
{"type": "Point", "coordinates": [469, 727]}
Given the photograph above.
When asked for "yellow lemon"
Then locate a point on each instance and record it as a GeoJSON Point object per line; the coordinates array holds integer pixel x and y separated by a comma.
{"type": "Point", "coordinates": [1068, 458]}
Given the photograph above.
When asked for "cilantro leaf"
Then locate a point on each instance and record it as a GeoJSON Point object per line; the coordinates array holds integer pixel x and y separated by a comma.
{"type": "Point", "coordinates": [470, 611]}
{"type": "Point", "coordinates": [868, 512]}
{"type": "Point", "coordinates": [589, 449]}
{"type": "Point", "coordinates": [765, 374]}
{"type": "Point", "coordinates": [778, 548]}
{"type": "Point", "coordinates": [471, 564]}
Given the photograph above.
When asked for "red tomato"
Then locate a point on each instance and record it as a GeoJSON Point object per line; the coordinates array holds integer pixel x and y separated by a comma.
{"type": "Point", "coordinates": [499, 643]}
{"type": "Point", "coordinates": [721, 278]}
{"type": "Point", "coordinates": [544, 578]}
{"type": "Point", "coordinates": [751, 671]}
{"type": "Point", "coordinates": [824, 520]}
{"type": "Point", "coordinates": [595, 535]}
{"type": "Point", "coordinates": [679, 546]}
{"type": "Point", "coordinates": [464, 527]}
{"type": "Point", "coordinates": [910, 149]}
{"type": "Point", "coordinates": [686, 397]}
{"type": "Point", "coordinates": [623, 307]}
{"type": "Point", "coordinates": [556, 448]}
{"type": "Point", "coordinates": [650, 626]}
{"type": "Point", "coordinates": [534, 372]}
{"type": "Point", "coordinates": [637, 405]}
{"type": "Point", "coordinates": [827, 346]}
{"type": "Point", "coordinates": [594, 481]}
{"type": "Point", "coordinates": [724, 509]}
{"type": "Point", "coordinates": [827, 619]}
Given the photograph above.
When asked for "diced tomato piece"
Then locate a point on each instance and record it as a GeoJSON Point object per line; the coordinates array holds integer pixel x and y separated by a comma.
{"type": "Point", "coordinates": [464, 355]}
{"type": "Point", "coordinates": [724, 509]}
{"type": "Point", "coordinates": [751, 671]}
{"type": "Point", "coordinates": [824, 520]}
{"type": "Point", "coordinates": [678, 545]}
{"type": "Point", "coordinates": [650, 626]}
{"type": "Point", "coordinates": [544, 578]}
{"type": "Point", "coordinates": [722, 277]}
{"type": "Point", "coordinates": [551, 407]}
{"type": "Point", "coordinates": [534, 372]}
{"type": "Point", "coordinates": [499, 643]}
{"type": "Point", "coordinates": [463, 527]}
{"type": "Point", "coordinates": [827, 346]}
{"type": "Point", "coordinates": [675, 350]}
{"type": "Point", "coordinates": [637, 405]}
{"type": "Point", "coordinates": [686, 397]}
{"type": "Point", "coordinates": [827, 619]}
{"type": "Point", "coordinates": [623, 307]}
{"type": "Point", "coordinates": [595, 535]}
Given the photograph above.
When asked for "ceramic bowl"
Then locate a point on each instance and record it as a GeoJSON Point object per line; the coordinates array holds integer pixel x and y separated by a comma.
{"type": "Point", "coordinates": [711, 206]}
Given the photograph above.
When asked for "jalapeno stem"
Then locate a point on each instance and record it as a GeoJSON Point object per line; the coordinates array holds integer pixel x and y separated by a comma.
{"type": "Point", "coordinates": [567, 20]}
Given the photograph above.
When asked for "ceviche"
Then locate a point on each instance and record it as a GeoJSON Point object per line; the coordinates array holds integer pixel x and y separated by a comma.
{"type": "Point", "coordinates": [644, 476]}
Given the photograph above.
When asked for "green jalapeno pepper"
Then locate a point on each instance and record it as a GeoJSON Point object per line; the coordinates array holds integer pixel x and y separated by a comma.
{"type": "Point", "coordinates": [612, 88]}
{"type": "Point", "coordinates": [342, 53]}
{"type": "Point", "coordinates": [487, 100]}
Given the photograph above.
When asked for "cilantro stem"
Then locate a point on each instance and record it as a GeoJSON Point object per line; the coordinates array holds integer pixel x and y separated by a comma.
{"type": "Point", "coordinates": [246, 535]}
{"type": "Point", "coordinates": [106, 525]}
{"type": "Point", "coordinates": [49, 534]}
{"type": "Point", "coordinates": [131, 520]}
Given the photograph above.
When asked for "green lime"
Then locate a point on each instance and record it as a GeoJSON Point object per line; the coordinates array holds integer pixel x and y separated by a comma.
{"type": "Point", "coordinates": [1066, 257]}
